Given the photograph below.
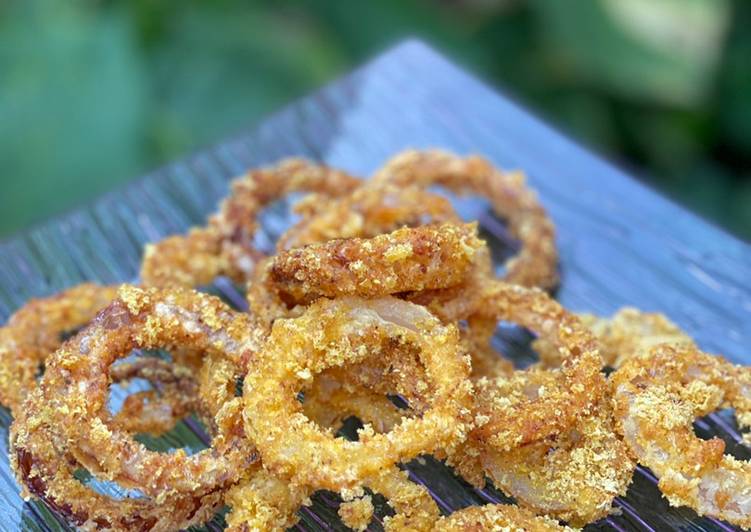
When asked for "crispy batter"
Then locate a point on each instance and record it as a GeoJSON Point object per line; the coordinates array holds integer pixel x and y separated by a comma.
{"type": "Point", "coordinates": [75, 388]}
{"type": "Point", "coordinates": [264, 502]}
{"type": "Point", "coordinates": [420, 258]}
{"type": "Point", "coordinates": [36, 330]}
{"type": "Point", "coordinates": [656, 396]}
{"type": "Point", "coordinates": [370, 210]}
{"type": "Point", "coordinates": [45, 469]}
{"type": "Point", "coordinates": [536, 262]}
{"type": "Point", "coordinates": [627, 333]}
{"type": "Point", "coordinates": [225, 246]}
{"type": "Point", "coordinates": [357, 513]}
{"type": "Point", "coordinates": [573, 477]}
{"type": "Point", "coordinates": [500, 517]}
{"type": "Point", "coordinates": [334, 333]}
{"type": "Point", "coordinates": [531, 405]}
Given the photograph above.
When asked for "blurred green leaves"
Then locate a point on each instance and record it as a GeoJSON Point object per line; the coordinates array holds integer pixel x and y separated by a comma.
{"type": "Point", "coordinates": [662, 52]}
{"type": "Point", "coordinates": [94, 92]}
{"type": "Point", "coordinates": [72, 106]}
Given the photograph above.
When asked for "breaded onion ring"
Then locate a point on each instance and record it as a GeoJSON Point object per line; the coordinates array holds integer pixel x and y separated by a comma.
{"type": "Point", "coordinates": [370, 210]}
{"type": "Point", "coordinates": [35, 331]}
{"type": "Point", "coordinates": [536, 262]}
{"type": "Point", "coordinates": [44, 468]}
{"type": "Point", "coordinates": [531, 405]}
{"type": "Point", "coordinates": [656, 398]}
{"type": "Point", "coordinates": [332, 333]}
{"type": "Point", "coordinates": [407, 259]}
{"type": "Point", "coordinates": [265, 502]}
{"type": "Point", "coordinates": [573, 476]}
{"type": "Point", "coordinates": [225, 246]}
{"type": "Point", "coordinates": [627, 333]}
{"type": "Point", "coordinates": [76, 382]}
{"type": "Point", "coordinates": [496, 517]}
{"type": "Point", "coordinates": [175, 395]}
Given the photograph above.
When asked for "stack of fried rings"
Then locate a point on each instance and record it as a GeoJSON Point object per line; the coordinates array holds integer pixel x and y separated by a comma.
{"type": "Point", "coordinates": [379, 291]}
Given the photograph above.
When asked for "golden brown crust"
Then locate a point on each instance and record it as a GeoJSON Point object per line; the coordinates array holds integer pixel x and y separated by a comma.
{"type": "Point", "coordinates": [531, 405]}
{"type": "Point", "coordinates": [75, 386]}
{"type": "Point", "coordinates": [370, 210]}
{"type": "Point", "coordinates": [536, 262]}
{"type": "Point", "coordinates": [225, 245]}
{"type": "Point", "coordinates": [421, 258]}
{"type": "Point", "coordinates": [656, 397]}
{"type": "Point", "coordinates": [35, 331]}
{"type": "Point", "coordinates": [499, 517]}
{"type": "Point", "coordinates": [627, 333]}
{"type": "Point", "coordinates": [573, 476]}
{"type": "Point", "coordinates": [348, 330]}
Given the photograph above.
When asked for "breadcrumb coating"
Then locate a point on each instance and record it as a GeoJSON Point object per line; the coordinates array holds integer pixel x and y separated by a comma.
{"type": "Point", "coordinates": [536, 262]}
{"type": "Point", "coordinates": [656, 397]}
{"type": "Point", "coordinates": [225, 246]}
{"type": "Point", "coordinates": [496, 517]}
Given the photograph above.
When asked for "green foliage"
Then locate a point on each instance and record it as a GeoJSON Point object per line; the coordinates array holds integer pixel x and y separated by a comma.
{"type": "Point", "coordinates": [93, 93]}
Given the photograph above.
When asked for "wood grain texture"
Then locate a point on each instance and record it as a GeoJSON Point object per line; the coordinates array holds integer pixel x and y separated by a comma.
{"type": "Point", "coordinates": [620, 242]}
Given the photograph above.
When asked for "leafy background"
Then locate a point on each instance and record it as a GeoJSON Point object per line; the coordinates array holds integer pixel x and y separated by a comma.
{"type": "Point", "coordinates": [95, 92]}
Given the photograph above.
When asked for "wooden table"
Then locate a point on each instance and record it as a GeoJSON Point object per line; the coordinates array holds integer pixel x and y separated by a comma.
{"type": "Point", "coordinates": [620, 242]}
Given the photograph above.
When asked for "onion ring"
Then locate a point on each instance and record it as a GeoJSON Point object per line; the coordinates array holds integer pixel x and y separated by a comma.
{"type": "Point", "coordinates": [44, 468]}
{"type": "Point", "coordinates": [155, 411]}
{"type": "Point", "coordinates": [76, 382]}
{"type": "Point", "coordinates": [656, 397]}
{"type": "Point", "coordinates": [370, 210]}
{"type": "Point", "coordinates": [225, 245]}
{"type": "Point", "coordinates": [350, 329]}
{"type": "Point", "coordinates": [265, 502]}
{"type": "Point", "coordinates": [407, 259]}
{"type": "Point", "coordinates": [627, 333]}
{"type": "Point", "coordinates": [531, 405]}
{"type": "Point", "coordinates": [496, 517]}
{"type": "Point", "coordinates": [573, 476]}
{"type": "Point", "coordinates": [536, 262]}
{"type": "Point", "coordinates": [36, 330]}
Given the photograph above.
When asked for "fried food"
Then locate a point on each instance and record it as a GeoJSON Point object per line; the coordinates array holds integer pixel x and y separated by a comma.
{"type": "Point", "coordinates": [627, 333]}
{"type": "Point", "coordinates": [419, 258]}
{"type": "Point", "coordinates": [536, 262]}
{"type": "Point", "coordinates": [496, 517]}
{"type": "Point", "coordinates": [656, 397]}
{"type": "Point", "coordinates": [532, 405]}
{"type": "Point", "coordinates": [76, 383]}
{"type": "Point", "coordinates": [225, 246]}
{"type": "Point", "coordinates": [573, 476]}
{"type": "Point", "coordinates": [36, 330]}
{"type": "Point", "coordinates": [357, 513]}
{"type": "Point", "coordinates": [45, 469]}
{"type": "Point", "coordinates": [370, 210]}
{"type": "Point", "coordinates": [349, 330]}
{"type": "Point", "coordinates": [379, 304]}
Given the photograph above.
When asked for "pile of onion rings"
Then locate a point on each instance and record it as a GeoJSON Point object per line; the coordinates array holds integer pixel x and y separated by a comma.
{"type": "Point", "coordinates": [380, 304]}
